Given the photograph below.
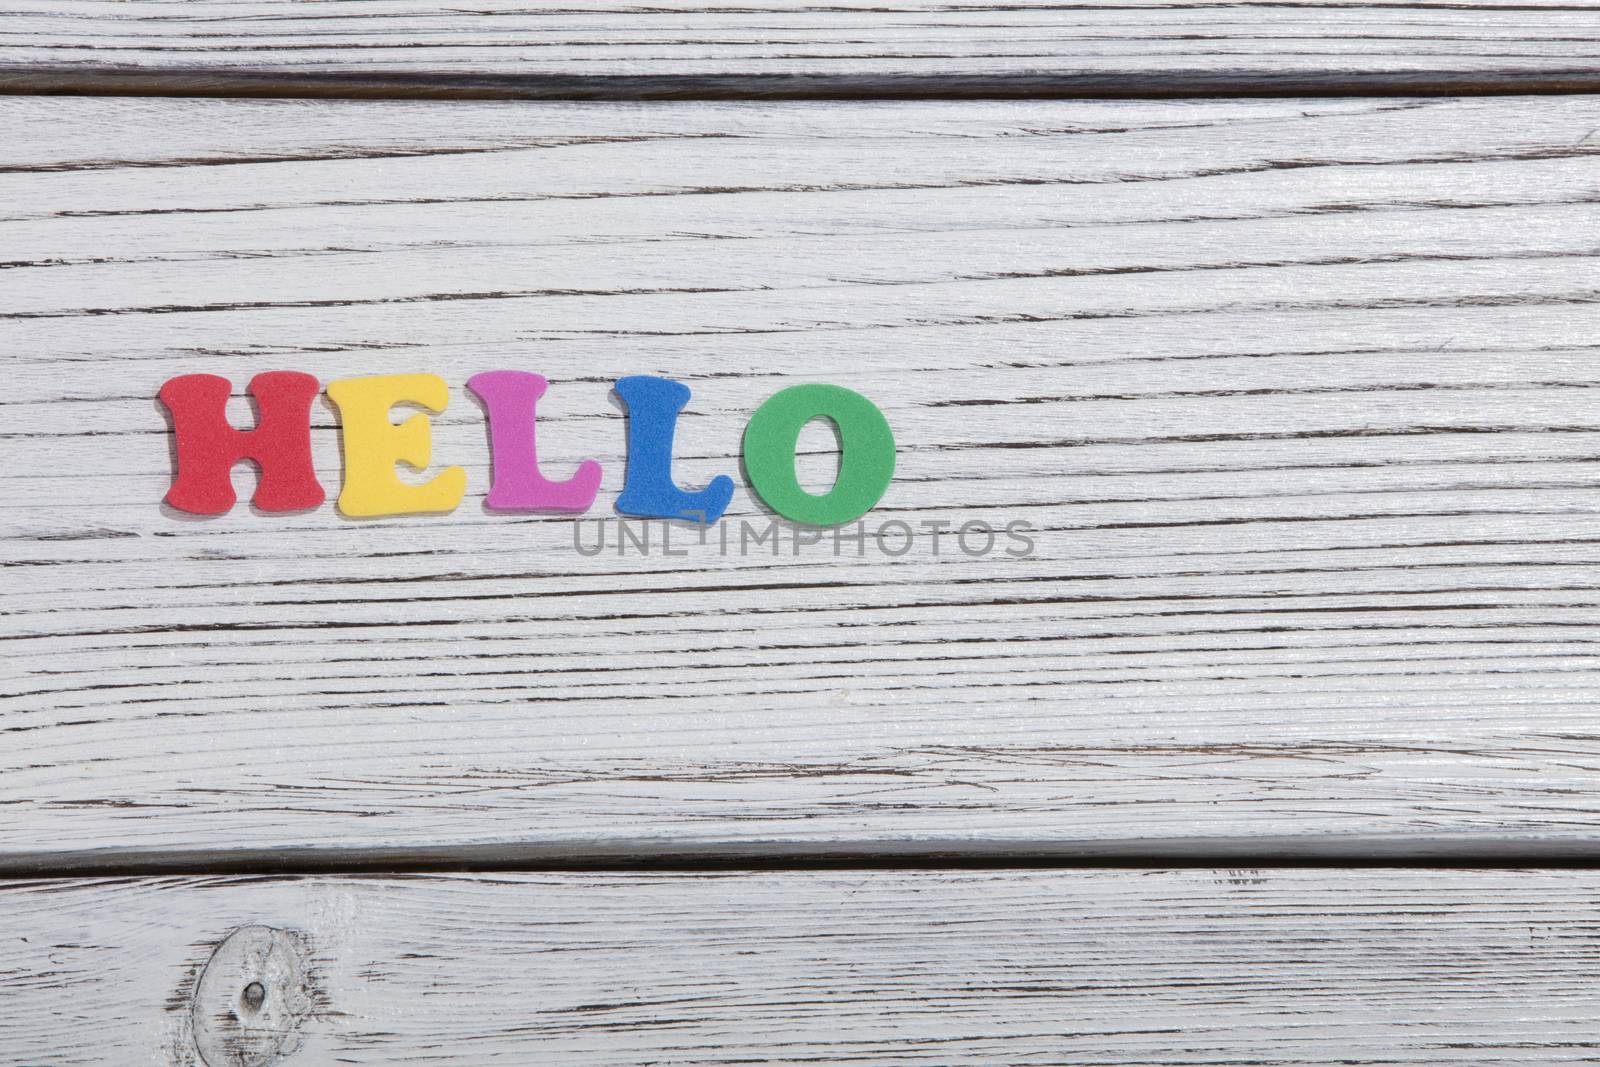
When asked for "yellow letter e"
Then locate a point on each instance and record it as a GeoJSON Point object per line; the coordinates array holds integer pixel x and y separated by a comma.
{"type": "Point", "coordinates": [373, 445]}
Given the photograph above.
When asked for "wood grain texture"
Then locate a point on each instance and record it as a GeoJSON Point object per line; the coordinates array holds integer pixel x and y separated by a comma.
{"type": "Point", "coordinates": [1300, 394]}
{"type": "Point", "coordinates": [1092, 968]}
{"type": "Point", "coordinates": [855, 47]}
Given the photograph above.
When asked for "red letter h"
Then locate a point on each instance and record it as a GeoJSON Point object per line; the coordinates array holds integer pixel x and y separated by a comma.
{"type": "Point", "coordinates": [208, 447]}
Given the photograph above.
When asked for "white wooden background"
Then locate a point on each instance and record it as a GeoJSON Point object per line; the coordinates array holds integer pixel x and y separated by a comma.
{"type": "Point", "coordinates": [936, 967]}
{"type": "Point", "coordinates": [1470, 44]}
{"type": "Point", "coordinates": [1299, 391]}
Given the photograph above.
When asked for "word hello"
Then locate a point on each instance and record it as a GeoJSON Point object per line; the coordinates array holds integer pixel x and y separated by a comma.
{"type": "Point", "coordinates": [208, 447]}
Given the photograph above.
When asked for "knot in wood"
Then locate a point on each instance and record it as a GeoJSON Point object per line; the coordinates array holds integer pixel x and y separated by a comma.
{"type": "Point", "coordinates": [251, 999]}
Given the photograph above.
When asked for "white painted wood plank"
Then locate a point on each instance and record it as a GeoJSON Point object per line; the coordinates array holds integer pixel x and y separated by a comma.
{"type": "Point", "coordinates": [876, 39]}
{"type": "Point", "coordinates": [1184, 967]}
{"type": "Point", "coordinates": [1300, 394]}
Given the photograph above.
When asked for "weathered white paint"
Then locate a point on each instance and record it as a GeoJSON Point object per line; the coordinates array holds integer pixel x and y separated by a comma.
{"type": "Point", "coordinates": [873, 37]}
{"type": "Point", "coordinates": [1085, 967]}
{"type": "Point", "coordinates": [1301, 393]}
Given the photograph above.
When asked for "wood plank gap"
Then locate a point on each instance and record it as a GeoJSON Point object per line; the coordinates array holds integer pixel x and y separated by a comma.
{"type": "Point", "coordinates": [79, 80]}
{"type": "Point", "coordinates": [1338, 851]}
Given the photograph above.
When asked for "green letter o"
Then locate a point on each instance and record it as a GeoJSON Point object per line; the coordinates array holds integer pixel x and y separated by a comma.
{"type": "Point", "coordinates": [866, 460]}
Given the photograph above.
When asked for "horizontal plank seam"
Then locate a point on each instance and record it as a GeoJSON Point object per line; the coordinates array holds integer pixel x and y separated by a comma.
{"type": "Point", "coordinates": [84, 80]}
{"type": "Point", "coordinates": [1321, 851]}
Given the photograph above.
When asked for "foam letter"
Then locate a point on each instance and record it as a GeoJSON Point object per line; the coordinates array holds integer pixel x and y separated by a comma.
{"type": "Point", "coordinates": [510, 398]}
{"type": "Point", "coordinates": [647, 488]}
{"type": "Point", "coordinates": [208, 447]}
{"type": "Point", "coordinates": [373, 445]}
{"type": "Point", "coordinates": [866, 459]}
